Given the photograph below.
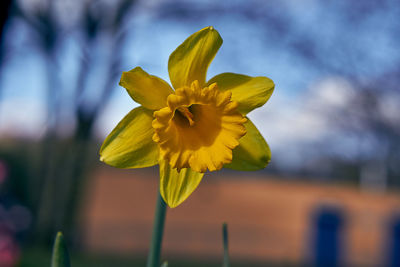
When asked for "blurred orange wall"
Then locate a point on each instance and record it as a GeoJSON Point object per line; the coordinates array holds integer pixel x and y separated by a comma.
{"type": "Point", "coordinates": [269, 219]}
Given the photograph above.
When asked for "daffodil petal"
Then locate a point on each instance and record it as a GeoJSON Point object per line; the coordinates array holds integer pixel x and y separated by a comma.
{"type": "Point", "coordinates": [176, 186]}
{"type": "Point", "coordinates": [148, 90]}
{"type": "Point", "coordinates": [249, 92]}
{"type": "Point", "coordinates": [189, 62]}
{"type": "Point", "coordinates": [253, 152]}
{"type": "Point", "coordinates": [130, 144]}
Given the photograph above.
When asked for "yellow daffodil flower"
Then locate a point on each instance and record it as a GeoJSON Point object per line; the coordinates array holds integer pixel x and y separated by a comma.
{"type": "Point", "coordinates": [199, 126]}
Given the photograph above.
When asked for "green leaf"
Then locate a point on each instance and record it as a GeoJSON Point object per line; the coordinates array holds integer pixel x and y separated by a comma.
{"type": "Point", "coordinates": [165, 264]}
{"type": "Point", "coordinates": [60, 257]}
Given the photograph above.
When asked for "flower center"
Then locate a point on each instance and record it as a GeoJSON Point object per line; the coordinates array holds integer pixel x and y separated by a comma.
{"type": "Point", "coordinates": [185, 112]}
{"type": "Point", "coordinates": [199, 128]}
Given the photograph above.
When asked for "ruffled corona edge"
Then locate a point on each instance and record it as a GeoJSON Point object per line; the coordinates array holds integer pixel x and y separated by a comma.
{"type": "Point", "coordinates": [199, 128]}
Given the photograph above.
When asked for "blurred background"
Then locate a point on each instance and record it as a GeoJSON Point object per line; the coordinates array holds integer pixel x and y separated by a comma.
{"type": "Point", "coordinates": [329, 197]}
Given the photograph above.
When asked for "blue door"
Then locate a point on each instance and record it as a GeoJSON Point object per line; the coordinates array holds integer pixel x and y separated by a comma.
{"type": "Point", "coordinates": [327, 245]}
{"type": "Point", "coordinates": [395, 244]}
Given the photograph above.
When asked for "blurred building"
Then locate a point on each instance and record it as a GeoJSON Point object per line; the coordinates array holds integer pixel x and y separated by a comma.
{"type": "Point", "coordinates": [269, 219]}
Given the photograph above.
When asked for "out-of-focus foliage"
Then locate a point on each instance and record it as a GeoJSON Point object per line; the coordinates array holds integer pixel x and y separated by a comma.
{"type": "Point", "coordinates": [61, 161]}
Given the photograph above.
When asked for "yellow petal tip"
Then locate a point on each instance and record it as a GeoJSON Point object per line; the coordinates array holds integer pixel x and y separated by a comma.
{"type": "Point", "coordinates": [172, 205]}
{"type": "Point", "coordinates": [176, 187]}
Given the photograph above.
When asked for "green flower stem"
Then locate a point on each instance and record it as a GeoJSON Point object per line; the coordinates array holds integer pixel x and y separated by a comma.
{"type": "Point", "coordinates": [153, 259]}
{"type": "Point", "coordinates": [225, 242]}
